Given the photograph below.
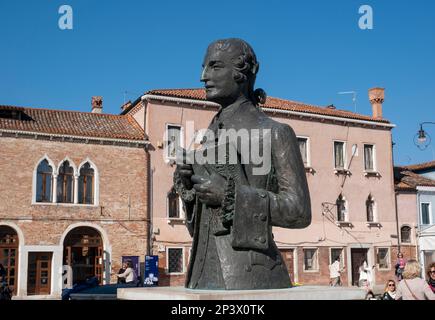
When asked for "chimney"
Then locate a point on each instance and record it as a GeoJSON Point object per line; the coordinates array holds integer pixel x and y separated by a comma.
{"type": "Point", "coordinates": [97, 104]}
{"type": "Point", "coordinates": [126, 105]}
{"type": "Point", "coordinates": [376, 97]}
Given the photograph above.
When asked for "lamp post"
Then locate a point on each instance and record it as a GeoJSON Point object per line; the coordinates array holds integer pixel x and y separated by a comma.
{"type": "Point", "coordinates": [422, 139]}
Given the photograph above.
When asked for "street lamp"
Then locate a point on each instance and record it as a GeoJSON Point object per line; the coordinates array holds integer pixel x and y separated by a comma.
{"type": "Point", "coordinates": [422, 139]}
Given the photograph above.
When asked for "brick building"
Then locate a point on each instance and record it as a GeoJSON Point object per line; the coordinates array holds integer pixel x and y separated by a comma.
{"type": "Point", "coordinates": [72, 192]}
{"type": "Point", "coordinates": [348, 160]}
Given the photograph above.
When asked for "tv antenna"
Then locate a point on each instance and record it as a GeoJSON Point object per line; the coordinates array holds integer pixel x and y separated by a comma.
{"type": "Point", "coordinates": [353, 93]}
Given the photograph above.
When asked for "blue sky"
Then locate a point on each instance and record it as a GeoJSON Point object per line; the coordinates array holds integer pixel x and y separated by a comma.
{"type": "Point", "coordinates": [308, 50]}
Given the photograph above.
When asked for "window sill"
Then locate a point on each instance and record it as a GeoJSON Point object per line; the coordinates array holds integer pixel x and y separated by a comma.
{"type": "Point", "coordinates": [312, 271]}
{"type": "Point", "coordinates": [78, 205]}
{"type": "Point", "coordinates": [369, 174]}
{"type": "Point", "coordinates": [341, 171]}
{"type": "Point", "coordinates": [384, 269]}
{"type": "Point", "coordinates": [344, 224]}
{"type": "Point", "coordinates": [176, 221]}
{"type": "Point", "coordinates": [373, 224]}
{"type": "Point", "coordinates": [310, 170]}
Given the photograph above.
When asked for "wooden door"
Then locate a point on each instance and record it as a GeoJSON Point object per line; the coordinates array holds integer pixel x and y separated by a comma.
{"type": "Point", "coordinates": [9, 259]}
{"type": "Point", "coordinates": [357, 256]}
{"type": "Point", "coordinates": [39, 273]}
{"type": "Point", "coordinates": [288, 257]}
{"type": "Point", "coordinates": [98, 265]}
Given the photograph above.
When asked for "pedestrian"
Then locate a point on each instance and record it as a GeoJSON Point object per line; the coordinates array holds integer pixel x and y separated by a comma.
{"type": "Point", "coordinates": [121, 271]}
{"type": "Point", "coordinates": [400, 266]}
{"type": "Point", "coordinates": [390, 291]}
{"type": "Point", "coordinates": [412, 287]}
{"type": "Point", "coordinates": [431, 276]}
{"type": "Point", "coordinates": [335, 271]}
{"type": "Point", "coordinates": [365, 275]}
{"type": "Point", "coordinates": [129, 274]}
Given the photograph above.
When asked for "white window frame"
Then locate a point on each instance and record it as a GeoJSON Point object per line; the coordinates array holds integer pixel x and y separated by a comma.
{"type": "Point", "coordinates": [421, 213]}
{"type": "Point", "coordinates": [388, 258]}
{"type": "Point", "coordinates": [75, 180]}
{"type": "Point", "coordinates": [375, 210]}
{"type": "Point", "coordinates": [410, 234]}
{"type": "Point", "coordinates": [35, 177]}
{"type": "Point", "coordinates": [308, 146]}
{"type": "Point", "coordinates": [317, 267]}
{"type": "Point", "coordinates": [375, 167]}
{"type": "Point", "coordinates": [346, 212]}
{"type": "Point", "coordinates": [166, 140]}
{"type": "Point", "coordinates": [342, 263]}
{"type": "Point", "coordinates": [167, 261]}
{"type": "Point", "coordinates": [96, 184]}
{"type": "Point", "coordinates": [180, 210]}
{"type": "Point", "coordinates": [345, 166]}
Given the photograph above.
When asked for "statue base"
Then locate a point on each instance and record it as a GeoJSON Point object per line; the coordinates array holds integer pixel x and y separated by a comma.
{"type": "Point", "coordinates": [295, 293]}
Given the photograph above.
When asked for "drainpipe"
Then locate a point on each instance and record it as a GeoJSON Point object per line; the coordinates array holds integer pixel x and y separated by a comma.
{"type": "Point", "coordinates": [395, 197]}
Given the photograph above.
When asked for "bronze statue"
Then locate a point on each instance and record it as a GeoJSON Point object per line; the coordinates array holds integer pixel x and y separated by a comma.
{"type": "Point", "coordinates": [231, 209]}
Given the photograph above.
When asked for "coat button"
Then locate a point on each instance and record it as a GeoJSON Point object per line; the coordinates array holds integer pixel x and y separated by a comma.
{"type": "Point", "coordinates": [262, 240]}
{"type": "Point", "coordinates": [248, 268]}
{"type": "Point", "coordinates": [263, 195]}
{"type": "Point", "coordinates": [263, 217]}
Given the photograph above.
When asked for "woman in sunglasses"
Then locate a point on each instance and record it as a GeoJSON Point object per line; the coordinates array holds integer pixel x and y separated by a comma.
{"type": "Point", "coordinates": [431, 276]}
{"type": "Point", "coordinates": [390, 290]}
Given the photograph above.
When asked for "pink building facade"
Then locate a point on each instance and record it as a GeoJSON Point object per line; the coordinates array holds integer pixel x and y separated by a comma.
{"type": "Point", "coordinates": [348, 160]}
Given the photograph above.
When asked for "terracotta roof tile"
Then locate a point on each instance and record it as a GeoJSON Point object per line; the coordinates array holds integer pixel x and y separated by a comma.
{"type": "Point", "coordinates": [83, 124]}
{"type": "Point", "coordinates": [408, 180]}
{"type": "Point", "coordinates": [421, 166]}
{"type": "Point", "coordinates": [271, 102]}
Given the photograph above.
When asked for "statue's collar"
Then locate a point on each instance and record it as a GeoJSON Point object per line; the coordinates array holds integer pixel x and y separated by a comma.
{"type": "Point", "coordinates": [229, 111]}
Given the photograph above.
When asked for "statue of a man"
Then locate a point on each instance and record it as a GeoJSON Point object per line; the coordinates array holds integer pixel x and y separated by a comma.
{"type": "Point", "coordinates": [231, 209]}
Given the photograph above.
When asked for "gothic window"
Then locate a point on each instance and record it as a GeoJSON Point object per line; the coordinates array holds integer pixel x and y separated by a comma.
{"type": "Point", "coordinates": [86, 184]}
{"type": "Point", "coordinates": [65, 183]}
{"type": "Point", "coordinates": [44, 180]}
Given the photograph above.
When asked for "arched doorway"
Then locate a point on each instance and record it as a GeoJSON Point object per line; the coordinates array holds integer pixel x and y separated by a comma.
{"type": "Point", "coordinates": [9, 255]}
{"type": "Point", "coordinates": [83, 252]}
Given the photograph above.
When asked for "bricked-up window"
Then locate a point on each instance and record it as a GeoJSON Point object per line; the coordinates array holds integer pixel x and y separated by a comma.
{"type": "Point", "coordinates": [65, 183]}
{"type": "Point", "coordinates": [310, 259]}
{"type": "Point", "coordinates": [383, 258]}
{"type": "Point", "coordinates": [339, 154]}
{"type": "Point", "coordinates": [175, 260]}
{"type": "Point", "coordinates": [44, 180]}
{"type": "Point", "coordinates": [341, 208]}
{"type": "Point", "coordinates": [174, 139]}
{"type": "Point", "coordinates": [303, 148]}
{"type": "Point", "coordinates": [173, 205]}
{"type": "Point", "coordinates": [370, 205]}
{"type": "Point", "coordinates": [86, 184]}
{"type": "Point", "coordinates": [405, 234]}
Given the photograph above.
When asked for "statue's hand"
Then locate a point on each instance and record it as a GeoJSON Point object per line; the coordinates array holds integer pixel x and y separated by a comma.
{"type": "Point", "coordinates": [210, 191]}
{"type": "Point", "coordinates": [185, 172]}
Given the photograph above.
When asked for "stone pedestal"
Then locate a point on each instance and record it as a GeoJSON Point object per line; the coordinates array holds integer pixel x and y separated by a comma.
{"type": "Point", "coordinates": [296, 293]}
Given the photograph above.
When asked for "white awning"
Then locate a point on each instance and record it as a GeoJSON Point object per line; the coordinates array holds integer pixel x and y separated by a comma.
{"type": "Point", "coordinates": [427, 243]}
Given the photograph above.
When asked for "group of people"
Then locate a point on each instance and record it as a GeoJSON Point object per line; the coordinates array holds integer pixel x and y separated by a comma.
{"type": "Point", "coordinates": [127, 275]}
{"type": "Point", "coordinates": [410, 286]}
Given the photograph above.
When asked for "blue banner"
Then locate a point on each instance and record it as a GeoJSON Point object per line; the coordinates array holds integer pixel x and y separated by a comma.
{"type": "Point", "coordinates": [151, 276]}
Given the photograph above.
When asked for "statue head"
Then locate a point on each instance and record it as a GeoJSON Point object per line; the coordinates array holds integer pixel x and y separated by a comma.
{"type": "Point", "coordinates": [229, 71]}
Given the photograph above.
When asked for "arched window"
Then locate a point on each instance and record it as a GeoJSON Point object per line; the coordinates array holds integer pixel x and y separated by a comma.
{"type": "Point", "coordinates": [370, 205]}
{"type": "Point", "coordinates": [405, 234]}
{"type": "Point", "coordinates": [44, 180]}
{"type": "Point", "coordinates": [86, 184]}
{"type": "Point", "coordinates": [173, 205]}
{"type": "Point", "coordinates": [341, 208]}
{"type": "Point", "coordinates": [65, 183]}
